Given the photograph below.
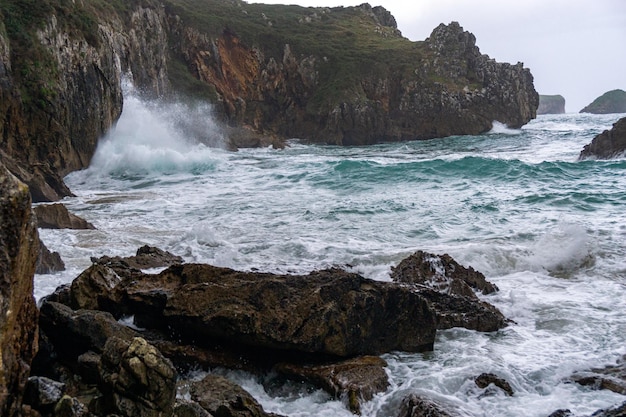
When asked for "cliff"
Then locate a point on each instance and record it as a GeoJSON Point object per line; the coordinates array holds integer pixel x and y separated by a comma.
{"type": "Point", "coordinates": [613, 101]}
{"type": "Point", "coordinates": [551, 104]}
{"type": "Point", "coordinates": [19, 246]}
{"type": "Point", "coordinates": [328, 75]}
{"type": "Point", "coordinates": [608, 144]}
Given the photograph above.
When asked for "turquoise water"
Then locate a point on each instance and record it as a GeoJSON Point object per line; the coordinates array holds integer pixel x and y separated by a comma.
{"type": "Point", "coordinates": [514, 204]}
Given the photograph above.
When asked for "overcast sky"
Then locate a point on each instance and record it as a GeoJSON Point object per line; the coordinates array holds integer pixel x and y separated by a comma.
{"type": "Point", "coordinates": [576, 48]}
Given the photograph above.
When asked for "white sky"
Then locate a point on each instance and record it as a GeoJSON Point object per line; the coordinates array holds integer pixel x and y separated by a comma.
{"type": "Point", "coordinates": [576, 48]}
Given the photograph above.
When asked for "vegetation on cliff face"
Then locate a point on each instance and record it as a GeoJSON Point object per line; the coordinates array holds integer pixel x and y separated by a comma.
{"type": "Point", "coordinates": [613, 101]}
{"type": "Point", "coordinates": [331, 75]}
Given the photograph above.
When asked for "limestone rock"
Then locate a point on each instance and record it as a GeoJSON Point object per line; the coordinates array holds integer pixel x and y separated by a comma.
{"type": "Point", "coordinates": [354, 380]}
{"type": "Point", "coordinates": [220, 397]}
{"type": "Point", "coordinates": [449, 288]}
{"type": "Point", "coordinates": [43, 393]}
{"type": "Point", "coordinates": [48, 262]}
{"type": "Point", "coordinates": [608, 144]}
{"type": "Point", "coordinates": [441, 273]}
{"type": "Point", "coordinates": [611, 377]}
{"type": "Point", "coordinates": [19, 247]}
{"type": "Point", "coordinates": [551, 104]}
{"type": "Point", "coordinates": [56, 216]}
{"type": "Point", "coordinates": [329, 312]}
{"type": "Point", "coordinates": [617, 411]}
{"type": "Point", "coordinates": [416, 406]}
{"type": "Point", "coordinates": [137, 380]}
{"type": "Point", "coordinates": [486, 379]}
{"type": "Point", "coordinates": [610, 102]}
{"type": "Point", "coordinates": [147, 257]}
{"type": "Point", "coordinates": [76, 332]}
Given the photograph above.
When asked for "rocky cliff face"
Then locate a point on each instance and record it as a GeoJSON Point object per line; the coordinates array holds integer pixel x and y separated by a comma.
{"type": "Point", "coordinates": [19, 247]}
{"type": "Point", "coordinates": [608, 144]}
{"type": "Point", "coordinates": [340, 76]}
{"type": "Point", "coordinates": [551, 104]}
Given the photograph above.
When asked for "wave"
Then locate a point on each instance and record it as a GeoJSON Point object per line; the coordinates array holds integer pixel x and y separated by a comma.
{"type": "Point", "coordinates": [159, 137]}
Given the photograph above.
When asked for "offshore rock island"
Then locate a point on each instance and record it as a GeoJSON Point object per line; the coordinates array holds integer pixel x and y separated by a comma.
{"type": "Point", "coordinates": [340, 75]}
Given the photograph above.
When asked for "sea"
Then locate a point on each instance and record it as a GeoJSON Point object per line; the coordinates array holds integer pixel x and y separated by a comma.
{"type": "Point", "coordinates": [514, 204]}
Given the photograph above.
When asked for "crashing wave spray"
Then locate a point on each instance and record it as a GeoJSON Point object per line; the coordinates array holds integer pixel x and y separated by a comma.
{"type": "Point", "coordinates": [158, 136]}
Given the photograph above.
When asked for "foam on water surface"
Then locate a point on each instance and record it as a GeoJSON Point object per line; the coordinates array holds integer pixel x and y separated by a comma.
{"type": "Point", "coordinates": [514, 205]}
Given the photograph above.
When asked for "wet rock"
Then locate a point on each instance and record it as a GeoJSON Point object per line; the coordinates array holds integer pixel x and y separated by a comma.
{"type": "Point", "coordinates": [484, 380]}
{"type": "Point", "coordinates": [93, 289]}
{"type": "Point", "coordinates": [70, 407]}
{"type": "Point", "coordinates": [184, 408]}
{"type": "Point", "coordinates": [617, 411]}
{"type": "Point", "coordinates": [56, 216]}
{"type": "Point", "coordinates": [354, 380]}
{"type": "Point", "coordinates": [43, 393]}
{"type": "Point", "coordinates": [48, 262]}
{"type": "Point", "coordinates": [330, 312]}
{"type": "Point", "coordinates": [137, 380]}
{"type": "Point", "coordinates": [612, 377]}
{"type": "Point", "coordinates": [220, 397]}
{"type": "Point", "coordinates": [561, 413]}
{"type": "Point", "coordinates": [147, 257]}
{"type": "Point", "coordinates": [416, 406]}
{"type": "Point", "coordinates": [449, 289]}
{"type": "Point", "coordinates": [19, 247]}
{"type": "Point", "coordinates": [441, 273]}
{"type": "Point", "coordinates": [76, 332]}
{"type": "Point", "coordinates": [608, 144]}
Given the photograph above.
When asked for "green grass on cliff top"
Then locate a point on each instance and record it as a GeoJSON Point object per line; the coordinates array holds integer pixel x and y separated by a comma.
{"type": "Point", "coordinates": [346, 42]}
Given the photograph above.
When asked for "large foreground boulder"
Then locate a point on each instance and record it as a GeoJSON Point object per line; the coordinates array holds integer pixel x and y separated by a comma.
{"type": "Point", "coordinates": [608, 144]}
{"type": "Point", "coordinates": [19, 248]}
{"type": "Point", "coordinates": [330, 312]}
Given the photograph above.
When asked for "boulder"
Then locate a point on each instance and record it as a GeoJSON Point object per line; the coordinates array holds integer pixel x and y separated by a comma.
{"type": "Point", "coordinates": [19, 248]}
{"type": "Point", "coordinates": [441, 273]}
{"type": "Point", "coordinates": [71, 407]}
{"type": "Point", "coordinates": [354, 380]}
{"type": "Point", "coordinates": [414, 405]}
{"type": "Point", "coordinates": [330, 312]}
{"type": "Point", "coordinates": [449, 289]}
{"type": "Point", "coordinates": [611, 377]}
{"type": "Point", "coordinates": [485, 380]}
{"type": "Point", "coordinates": [147, 257]}
{"type": "Point", "coordinates": [93, 288]}
{"type": "Point", "coordinates": [43, 393]}
{"type": "Point", "coordinates": [75, 332]}
{"type": "Point", "coordinates": [48, 262]}
{"type": "Point", "coordinates": [56, 216]}
{"type": "Point", "coordinates": [617, 411]}
{"type": "Point", "coordinates": [223, 398]}
{"type": "Point", "coordinates": [608, 144]}
{"type": "Point", "coordinates": [137, 381]}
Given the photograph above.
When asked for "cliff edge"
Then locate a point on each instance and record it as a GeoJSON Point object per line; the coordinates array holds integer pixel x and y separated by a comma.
{"type": "Point", "coordinates": [341, 75]}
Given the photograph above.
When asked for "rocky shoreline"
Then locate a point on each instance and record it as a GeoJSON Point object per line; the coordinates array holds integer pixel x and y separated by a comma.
{"type": "Point", "coordinates": [119, 341]}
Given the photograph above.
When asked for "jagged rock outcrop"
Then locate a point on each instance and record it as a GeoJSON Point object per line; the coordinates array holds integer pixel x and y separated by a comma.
{"type": "Point", "coordinates": [265, 76]}
{"type": "Point", "coordinates": [57, 216]}
{"type": "Point", "coordinates": [449, 288]}
{"type": "Point", "coordinates": [355, 380]}
{"type": "Point", "coordinates": [613, 101]}
{"type": "Point", "coordinates": [19, 247]}
{"type": "Point", "coordinates": [551, 104]}
{"type": "Point", "coordinates": [608, 144]}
